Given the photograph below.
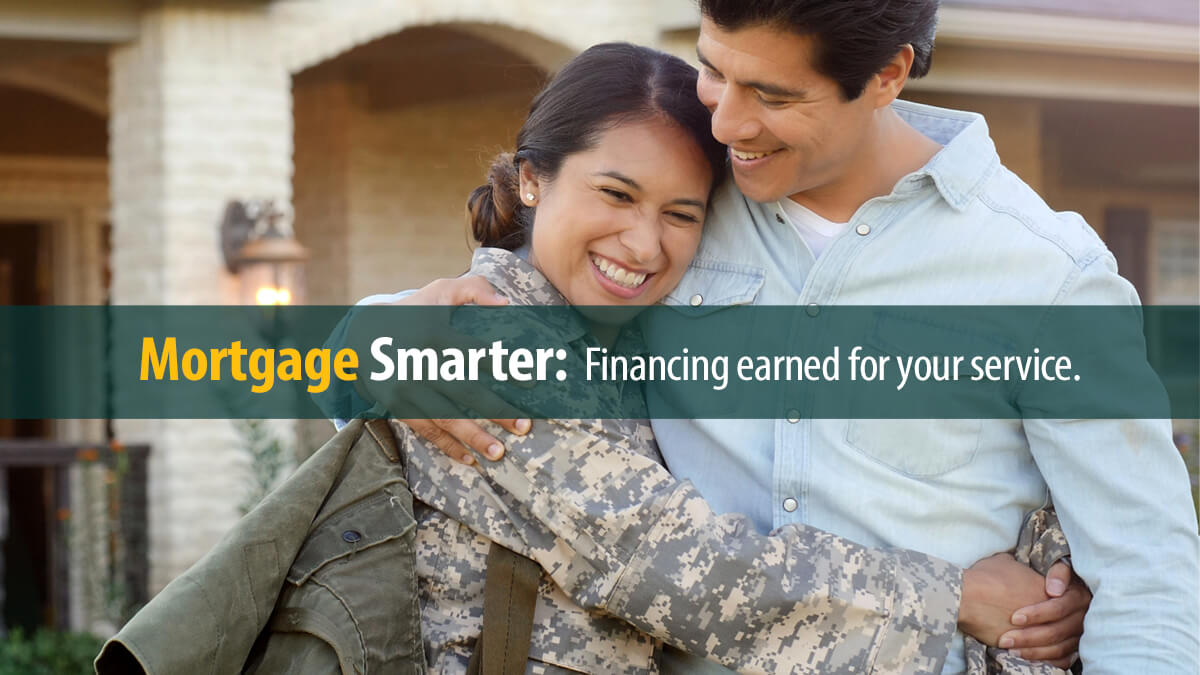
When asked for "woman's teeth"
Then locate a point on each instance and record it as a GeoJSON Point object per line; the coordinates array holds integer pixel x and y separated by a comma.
{"type": "Point", "coordinates": [747, 156]}
{"type": "Point", "coordinates": [619, 275]}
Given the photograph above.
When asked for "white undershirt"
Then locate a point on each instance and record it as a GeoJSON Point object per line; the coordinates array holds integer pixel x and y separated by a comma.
{"type": "Point", "coordinates": [816, 231]}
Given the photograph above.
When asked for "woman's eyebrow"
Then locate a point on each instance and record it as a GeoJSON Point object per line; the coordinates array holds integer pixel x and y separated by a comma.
{"type": "Point", "coordinates": [634, 184]}
{"type": "Point", "coordinates": [621, 177]}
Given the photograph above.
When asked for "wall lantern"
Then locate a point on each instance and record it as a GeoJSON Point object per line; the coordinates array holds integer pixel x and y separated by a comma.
{"type": "Point", "coordinates": [257, 240]}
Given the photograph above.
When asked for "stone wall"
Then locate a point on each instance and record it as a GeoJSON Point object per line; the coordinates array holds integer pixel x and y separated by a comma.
{"type": "Point", "coordinates": [410, 173]}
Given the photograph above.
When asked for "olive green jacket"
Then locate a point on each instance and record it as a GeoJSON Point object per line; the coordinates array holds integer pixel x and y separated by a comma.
{"type": "Point", "coordinates": [318, 578]}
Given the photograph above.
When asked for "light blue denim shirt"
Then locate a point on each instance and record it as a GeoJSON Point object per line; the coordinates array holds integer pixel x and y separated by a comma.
{"type": "Point", "coordinates": [962, 230]}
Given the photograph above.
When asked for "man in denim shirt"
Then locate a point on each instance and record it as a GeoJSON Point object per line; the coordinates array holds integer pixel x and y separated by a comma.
{"type": "Point", "coordinates": [844, 195]}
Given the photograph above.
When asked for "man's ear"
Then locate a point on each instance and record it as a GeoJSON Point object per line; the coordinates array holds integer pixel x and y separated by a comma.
{"type": "Point", "coordinates": [528, 183]}
{"type": "Point", "coordinates": [890, 80]}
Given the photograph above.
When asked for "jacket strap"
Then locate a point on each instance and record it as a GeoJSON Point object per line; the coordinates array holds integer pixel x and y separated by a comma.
{"type": "Point", "coordinates": [381, 431]}
{"type": "Point", "coordinates": [509, 597]}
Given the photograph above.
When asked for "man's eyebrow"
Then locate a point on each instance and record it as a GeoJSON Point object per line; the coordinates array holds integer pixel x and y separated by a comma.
{"type": "Point", "coordinates": [763, 87]}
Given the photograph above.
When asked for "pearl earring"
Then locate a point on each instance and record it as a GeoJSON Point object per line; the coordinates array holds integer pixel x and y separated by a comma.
{"type": "Point", "coordinates": [530, 197]}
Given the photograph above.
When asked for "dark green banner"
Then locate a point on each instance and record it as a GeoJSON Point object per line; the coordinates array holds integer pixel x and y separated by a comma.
{"type": "Point", "coordinates": [732, 362]}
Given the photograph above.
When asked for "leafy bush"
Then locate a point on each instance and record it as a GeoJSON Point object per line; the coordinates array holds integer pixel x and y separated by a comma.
{"type": "Point", "coordinates": [48, 652]}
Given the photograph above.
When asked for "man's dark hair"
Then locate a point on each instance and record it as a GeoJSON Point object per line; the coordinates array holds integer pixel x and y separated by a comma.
{"type": "Point", "coordinates": [853, 39]}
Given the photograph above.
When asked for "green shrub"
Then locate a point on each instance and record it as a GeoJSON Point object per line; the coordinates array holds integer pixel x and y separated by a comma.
{"type": "Point", "coordinates": [48, 652]}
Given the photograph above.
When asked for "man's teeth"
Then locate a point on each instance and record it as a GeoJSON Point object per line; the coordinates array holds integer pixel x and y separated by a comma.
{"type": "Point", "coordinates": [746, 156]}
{"type": "Point", "coordinates": [618, 274]}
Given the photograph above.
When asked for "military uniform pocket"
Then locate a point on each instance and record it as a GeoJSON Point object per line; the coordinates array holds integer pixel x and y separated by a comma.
{"type": "Point", "coordinates": [351, 604]}
{"type": "Point", "coordinates": [370, 522]}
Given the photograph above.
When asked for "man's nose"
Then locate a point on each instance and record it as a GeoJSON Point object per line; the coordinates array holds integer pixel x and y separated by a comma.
{"type": "Point", "coordinates": [732, 119]}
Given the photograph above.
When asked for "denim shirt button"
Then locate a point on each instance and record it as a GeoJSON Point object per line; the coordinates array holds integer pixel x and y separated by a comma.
{"type": "Point", "coordinates": [813, 309]}
{"type": "Point", "coordinates": [696, 300]}
{"type": "Point", "coordinates": [790, 505]}
{"type": "Point", "coordinates": [779, 219]}
{"type": "Point", "coordinates": [863, 229]}
{"type": "Point", "coordinates": [793, 416]}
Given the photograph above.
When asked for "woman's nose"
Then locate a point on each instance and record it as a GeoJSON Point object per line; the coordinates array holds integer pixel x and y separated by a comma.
{"type": "Point", "coordinates": [643, 239]}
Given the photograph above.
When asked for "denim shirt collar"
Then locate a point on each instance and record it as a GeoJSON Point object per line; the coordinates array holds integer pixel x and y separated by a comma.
{"type": "Point", "coordinates": [968, 156]}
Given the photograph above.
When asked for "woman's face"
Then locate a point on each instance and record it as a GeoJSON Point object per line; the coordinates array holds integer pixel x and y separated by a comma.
{"type": "Point", "coordinates": [621, 221]}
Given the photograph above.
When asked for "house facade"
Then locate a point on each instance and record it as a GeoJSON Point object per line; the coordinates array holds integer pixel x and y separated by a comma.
{"type": "Point", "coordinates": [128, 126]}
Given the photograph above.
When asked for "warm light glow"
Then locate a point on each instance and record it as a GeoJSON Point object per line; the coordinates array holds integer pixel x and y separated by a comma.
{"type": "Point", "coordinates": [268, 295]}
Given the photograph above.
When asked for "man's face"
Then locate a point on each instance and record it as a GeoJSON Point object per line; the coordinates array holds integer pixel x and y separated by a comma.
{"type": "Point", "coordinates": [788, 129]}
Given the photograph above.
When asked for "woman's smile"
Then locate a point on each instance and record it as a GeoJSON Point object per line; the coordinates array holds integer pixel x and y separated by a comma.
{"type": "Point", "coordinates": [618, 279]}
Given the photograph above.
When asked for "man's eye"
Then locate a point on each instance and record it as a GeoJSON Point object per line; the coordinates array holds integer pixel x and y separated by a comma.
{"type": "Point", "coordinates": [710, 73]}
{"type": "Point", "coordinates": [772, 103]}
{"type": "Point", "coordinates": [616, 194]}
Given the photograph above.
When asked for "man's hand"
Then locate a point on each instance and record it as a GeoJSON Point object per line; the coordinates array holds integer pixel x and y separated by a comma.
{"type": "Point", "coordinates": [452, 436]}
{"type": "Point", "coordinates": [1051, 628]}
{"type": "Point", "coordinates": [999, 592]}
{"type": "Point", "coordinates": [470, 290]}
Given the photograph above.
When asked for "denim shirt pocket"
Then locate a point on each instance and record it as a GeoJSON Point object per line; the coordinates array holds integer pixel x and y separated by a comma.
{"type": "Point", "coordinates": [919, 448]}
{"type": "Point", "coordinates": [710, 285]}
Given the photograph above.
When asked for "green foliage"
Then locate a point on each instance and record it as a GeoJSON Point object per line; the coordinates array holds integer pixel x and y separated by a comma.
{"type": "Point", "coordinates": [266, 460]}
{"type": "Point", "coordinates": [48, 652]}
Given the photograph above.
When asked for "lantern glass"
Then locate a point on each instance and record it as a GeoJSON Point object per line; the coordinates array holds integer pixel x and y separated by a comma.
{"type": "Point", "coordinates": [272, 283]}
{"type": "Point", "coordinates": [271, 270]}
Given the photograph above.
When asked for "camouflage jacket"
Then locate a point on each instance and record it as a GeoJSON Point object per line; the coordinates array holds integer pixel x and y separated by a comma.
{"type": "Point", "coordinates": [592, 503]}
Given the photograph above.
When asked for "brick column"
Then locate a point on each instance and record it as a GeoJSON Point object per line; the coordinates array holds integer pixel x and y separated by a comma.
{"type": "Point", "coordinates": [201, 113]}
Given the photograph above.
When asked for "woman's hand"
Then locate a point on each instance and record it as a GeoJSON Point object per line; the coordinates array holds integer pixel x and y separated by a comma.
{"type": "Point", "coordinates": [1007, 604]}
{"type": "Point", "coordinates": [452, 436]}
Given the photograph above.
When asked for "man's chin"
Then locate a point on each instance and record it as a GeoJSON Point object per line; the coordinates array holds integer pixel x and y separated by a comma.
{"type": "Point", "coordinates": [757, 190]}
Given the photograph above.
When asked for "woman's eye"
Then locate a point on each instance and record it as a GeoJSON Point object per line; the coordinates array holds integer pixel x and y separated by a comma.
{"type": "Point", "coordinates": [686, 217]}
{"type": "Point", "coordinates": [616, 194]}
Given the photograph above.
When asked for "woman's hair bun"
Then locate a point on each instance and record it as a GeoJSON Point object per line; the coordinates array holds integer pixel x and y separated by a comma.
{"type": "Point", "coordinates": [494, 209]}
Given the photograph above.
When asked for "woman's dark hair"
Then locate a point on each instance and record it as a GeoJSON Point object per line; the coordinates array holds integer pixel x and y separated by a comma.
{"type": "Point", "coordinates": [605, 86]}
{"type": "Point", "coordinates": [854, 39]}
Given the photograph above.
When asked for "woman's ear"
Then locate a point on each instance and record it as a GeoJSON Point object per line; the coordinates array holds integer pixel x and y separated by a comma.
{"type": "Point", "coordinates": [528, 183]}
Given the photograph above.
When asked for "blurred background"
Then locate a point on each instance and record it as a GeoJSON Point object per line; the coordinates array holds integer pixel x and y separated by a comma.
{"type": "Point", "coordinates": [317, 151]}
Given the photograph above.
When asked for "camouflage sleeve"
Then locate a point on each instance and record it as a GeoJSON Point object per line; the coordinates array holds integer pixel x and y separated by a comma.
{"type": "Point", "coordinates": [618, 533]}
